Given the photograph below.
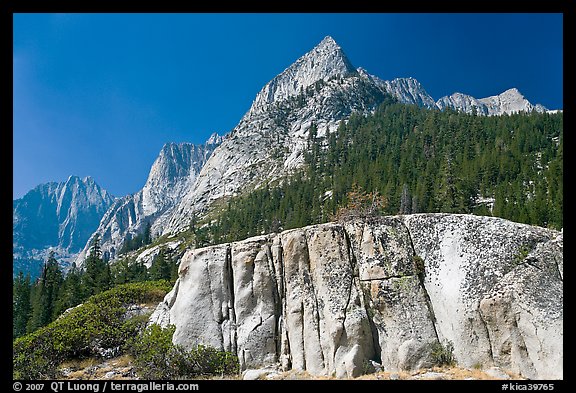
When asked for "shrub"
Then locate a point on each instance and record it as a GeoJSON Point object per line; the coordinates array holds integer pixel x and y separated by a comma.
{"type": "Point", "coordinates": [86, 330]}
{"type": "Point", "coordinates": [155, 357]}
{"type": "Point", "coordinates": [521, 254]}
{"type": "Point", "coordinates": [204, 360]}
{"type": "Point", "coordinates": [442, 355]}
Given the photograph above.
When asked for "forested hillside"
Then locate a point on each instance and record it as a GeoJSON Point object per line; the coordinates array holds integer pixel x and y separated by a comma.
{"type": "Point", "coordinates": [402, 159]}
{"type": "Point", "coordinates": [36, 303]}
{"type": "Point", "coordinates": [416, 160]}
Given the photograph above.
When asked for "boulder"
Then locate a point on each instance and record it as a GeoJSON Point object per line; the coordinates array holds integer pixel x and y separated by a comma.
{"type": "Point", "coordinates": [526, 327]}
{"type": "Point", "coordinates": [465, 257]}
{"type": "Point", "coordinates": [335, 298]}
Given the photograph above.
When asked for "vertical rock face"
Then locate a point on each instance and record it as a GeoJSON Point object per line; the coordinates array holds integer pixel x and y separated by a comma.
{"type": "Point", "coordinates": [468, 258]}
{"type": "Point", "coordinates": [402, 317]}
{"type": "Point", "coordinates": [328, 298]}
{"type": "Point", "coordinates": [172, 174]}
{"type": "Point", "coordinates": [526, 327]}
{"type": "Point", "coordinates": [208, 299]}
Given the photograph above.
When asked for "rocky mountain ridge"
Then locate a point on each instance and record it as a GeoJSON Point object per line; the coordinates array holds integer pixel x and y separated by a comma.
{"type": "Point", "coordinates": [331, 298]}
{"type": "Point", "coordinates": [322, 88]}
{"type": "Point", "coordinates": [509, 102]}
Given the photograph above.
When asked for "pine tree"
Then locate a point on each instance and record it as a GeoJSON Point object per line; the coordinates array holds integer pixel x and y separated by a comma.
{"type": "Point", "coordinates": [405, 201]}
{"type": "Point", "coordinates": [45, 294]}
{"type": "Point", "coordinates": [147, 237]}
{"type": "Point", "coordinates": [96, 277]}
{"type": "Point", "coordinates": [121, 271]}
{"type": "Point", "coordinates": [160, 269]}
{"type": "Point", "coordinates": [20, 304]}
{"type": "Point", "coordinates": [70, 293]}
{"type": "Point", "coordinates": [105, 277]}
{"type": "Point", "coordinates": [37, 304]}
{"type": "Point", "coordinates": [447, 193]}
{"type": "Point", "coordinates": [138, 272]}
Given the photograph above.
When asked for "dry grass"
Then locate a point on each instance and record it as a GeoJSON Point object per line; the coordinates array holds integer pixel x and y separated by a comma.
{"type": "Point", "coordinates": [76, 364]}
{"type": "Point", "coordinates": [94, 368]}
{"type": "Point", "coordinates": [446, 373]}
{"type": "Point", "coordinates": [120, 368]}
{"type": "Point", "coordinates": [122, 361]}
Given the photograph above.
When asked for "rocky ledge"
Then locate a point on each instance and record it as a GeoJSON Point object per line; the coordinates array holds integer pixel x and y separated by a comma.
{"type": "Point", "coordinates": [332, 298]}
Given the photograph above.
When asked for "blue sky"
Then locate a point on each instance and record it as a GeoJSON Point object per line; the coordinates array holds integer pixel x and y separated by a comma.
{"type": "Point", "coordinates": [99, 94]}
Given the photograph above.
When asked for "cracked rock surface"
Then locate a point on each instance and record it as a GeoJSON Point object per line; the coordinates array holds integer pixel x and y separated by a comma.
{"type": "Point", "coordinates": [328, 299]}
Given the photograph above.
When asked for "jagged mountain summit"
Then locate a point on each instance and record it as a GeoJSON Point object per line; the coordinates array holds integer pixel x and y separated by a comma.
{"type": "Point", "coordinates": [56, 216]}
{"type": "Point", "coordinates": [327, 60]}
{"type": "Point", "coordinates": [172, 174]}
{"type": "Point", "coordinates": [322, 87]}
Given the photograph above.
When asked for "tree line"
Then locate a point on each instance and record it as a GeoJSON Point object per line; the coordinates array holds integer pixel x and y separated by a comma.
{"type": "Point", "coordinates": [418, 160]}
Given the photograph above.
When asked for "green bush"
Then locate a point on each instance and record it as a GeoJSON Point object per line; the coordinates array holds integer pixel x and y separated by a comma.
{"type": "Point", "coordinates": [521, 254]}
{"type": "Point", "coordinates": [97, 324]}
{"type": "Point", "coordinates": [442, 355]}
{"type": "Point", "coordinates": [204, 360]}
{"type": "Point", "coordinates": [155, 357]}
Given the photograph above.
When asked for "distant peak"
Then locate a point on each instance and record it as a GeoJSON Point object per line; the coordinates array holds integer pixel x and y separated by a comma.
{"type": "Point", "coordinates": [214, 139]}
{"type": "Point", "coordinates": [513, 91]}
